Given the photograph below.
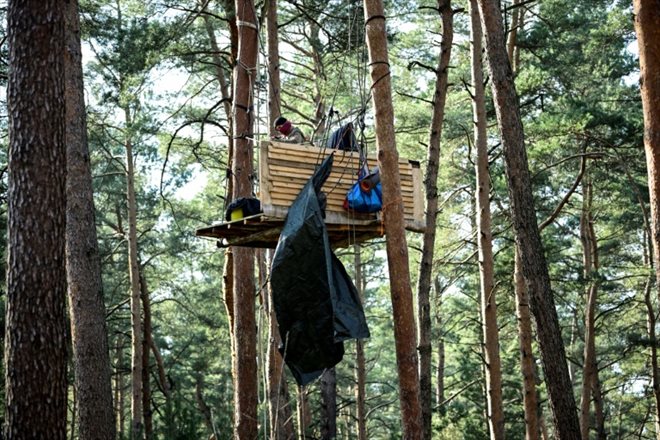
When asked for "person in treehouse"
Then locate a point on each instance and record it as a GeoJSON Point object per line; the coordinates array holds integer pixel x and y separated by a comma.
{"type": "Point", "coordinates": [289, 133]}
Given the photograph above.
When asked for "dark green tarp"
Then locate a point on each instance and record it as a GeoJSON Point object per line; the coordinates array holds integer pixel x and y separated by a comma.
{"type": "Point", "coordinates": [316, 303]}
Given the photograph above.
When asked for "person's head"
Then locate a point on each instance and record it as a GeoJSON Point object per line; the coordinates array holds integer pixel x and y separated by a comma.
{"type": "Point", "coordinates": [283, 125]}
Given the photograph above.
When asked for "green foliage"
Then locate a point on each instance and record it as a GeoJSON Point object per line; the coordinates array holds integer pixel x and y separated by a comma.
{"type": "Point", "coordinates": [152, 79]}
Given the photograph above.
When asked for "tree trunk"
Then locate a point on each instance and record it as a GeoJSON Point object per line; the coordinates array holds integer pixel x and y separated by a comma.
{"type": "Point", "coordinates": [647, 27]}
{"type": "Point", "coordinates": [512, 37]}
{"type": "Point", "coordinates": [89, 336]}
{"type": "Point", "coordinates": [220, 75]}
{"type": "Point", "coordinates": [360, 360]}
{"type": "Point", "coordinates": [397, 247]}
{"type": "Point", "coordinates": [119, 392]}
{"type": "Point", "coordinates": [272, 36]}
{"type": "Point", "coordinates": [530, 401]}
{"type": "Point", "coordinates": [440, 374]}
{"type": "Point", "coordinates": [245, 338]}
{"type": "Point", "coordinates": [278, 393]}
{"type": "Point", "coordinates": [485, 237]}
{"type": "Point", "coordinates": [431, 186]}
{"type": "Point", "coordinates": [146, 340]}
{"type": "Point", "coordinates": [534, 265]}
{"type": "Point", "coordinates": [279, 409]}
{"type": "Point", "coordinates": [655, 372]}
{"type": "Point", "coordinates": [35, 338]}
{"type": "Point", "coordinates": [328, 404]}
{"type": "Point", "coordinates": [590, 273]}
{"type": "Point", "coordinates": [137, 424]}
{"type": "Point", "coordinates": [303, 411]}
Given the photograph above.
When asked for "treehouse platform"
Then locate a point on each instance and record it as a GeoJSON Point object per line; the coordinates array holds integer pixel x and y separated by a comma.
{"type": "Point", "coordinates": [283, 171]}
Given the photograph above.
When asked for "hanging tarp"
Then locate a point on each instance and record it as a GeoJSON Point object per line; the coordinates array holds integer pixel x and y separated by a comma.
{"type": "Point", "coordinates": [316, 303]}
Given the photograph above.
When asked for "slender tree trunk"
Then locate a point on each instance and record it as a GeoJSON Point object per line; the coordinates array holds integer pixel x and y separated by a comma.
{"type": "Point", "coordinates": [397, 247]}
{"type": "Point", "coordinates": [121, 414]}
{"type": "Point", "coordinates": [590, 273]}
{"type": "Point", "coordinates": [319, 80]}
{"type": "Point", "coordinates": [146, 345]}
{"type": "Point", "coordinates": [137, 424]}
{"type": "Point", "coordinates": [91, 355]}
{"type": "Point", "coordinates": [647, 27]}
{"type": "Point", "coordinates": [485, 237]}
{"type": "Point", "coordinates": [530, 401]}
{"type": "Point", "coordinates": [273, 66]}
{"type": "Point", "coordinates": [329, 404]}
{"type": "Point", "coordinates": [35, 326]}
{"type": "Point", "coordinates": [278, 393]}
{"type": "Point", "coordinates": [599, 410]}
{"type": "Point", "coordinates": [245, 338]}
{"type": "Point", "coordinates": [440, 374]}
{"type": "Point", "coordinates": [74, 413]}
{"type": "Point", "coordinates": [360, 361]}
{"type": "Point", "coordinates": [534, 265]}
{"type": "Point", "coordinates": [655, 372]}
{"type": "Point", "coordinates": [303, 411]}
{"type": "Point", "coordinates": [431, 185]}
{"type": "Point", "coordinates": [512, 37]}
{"type": "Point", "coordinates": [279, 409]}
{"type": "Point", "coordinates": [220, 75]}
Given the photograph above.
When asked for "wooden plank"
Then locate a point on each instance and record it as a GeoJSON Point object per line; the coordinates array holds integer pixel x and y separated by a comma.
{"type": "Point", "coordinates": [418, 194]}
{"type": "Point", "coordinates": [285, 168]}
{"type": "Point", "coordinates": [265, 182]}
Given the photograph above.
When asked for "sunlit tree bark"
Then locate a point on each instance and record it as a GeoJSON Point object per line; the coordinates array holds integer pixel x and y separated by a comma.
{"type": "Point", "coordinates": [397, 247]}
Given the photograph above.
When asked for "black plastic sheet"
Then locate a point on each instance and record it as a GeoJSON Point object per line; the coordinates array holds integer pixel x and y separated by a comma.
{"type": "Point", "coordinates": [316, 302]}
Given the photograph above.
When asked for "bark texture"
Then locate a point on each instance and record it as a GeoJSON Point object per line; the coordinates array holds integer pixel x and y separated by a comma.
{"type": "Point", "coordinates": [431, 186]}
{"type": "Point", "coordinates": [35, 333]}
{"type": "Point", "coordinates": [523, 213]}
{"type": "Point", "coordinates": [530, 401]}
{"type": "Point", "coordinates": [485, 237]}
{"type": "Point", "coordinates": [91, 357]}
{"type": "Point", "coordinates": [360, 359]}
{"type": "Point", "coordinates": [245, 337]}
{"type": "Point", "coordinates": [647, 27]}
{"type": "Point", "coordinates": [396, 245]}
{"type": "Point", "coordinates": [590, 273]}
{"type": "Point", "coordinates": [273, 66]}
{"type": "Point", "coordinates": [137, 423]}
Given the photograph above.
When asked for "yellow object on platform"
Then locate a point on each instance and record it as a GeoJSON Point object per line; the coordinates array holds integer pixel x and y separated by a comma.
{"type": "Point", "coordinates": [237, 214]}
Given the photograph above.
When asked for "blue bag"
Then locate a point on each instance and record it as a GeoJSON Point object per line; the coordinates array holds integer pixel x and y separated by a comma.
{"type": "Point", "coordinates": [364, 197]}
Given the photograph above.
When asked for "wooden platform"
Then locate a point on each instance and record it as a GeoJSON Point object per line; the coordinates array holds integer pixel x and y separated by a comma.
{"type": "Point", "coordinates": [285, 168]}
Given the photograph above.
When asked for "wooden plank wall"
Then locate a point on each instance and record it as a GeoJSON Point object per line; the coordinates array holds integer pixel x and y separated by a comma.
{"type": "Point", "coordinates": [285, 168]}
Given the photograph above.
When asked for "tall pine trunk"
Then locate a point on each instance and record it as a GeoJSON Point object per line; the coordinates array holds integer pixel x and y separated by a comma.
{"type": "Point", "coordinates": [485, 237]}
{"type": "Point", "coordinates": [35, 332]}
{"type": "Point", "coordinates": [590, 273]}
{"type": "Point", "coordinates": [328, 414]}
{"type": "Point", "coordinates": [396, 245]}
{"type": "Point", "coordinates": [527, 368]}
{"type": "Point", "coordinates": [137, 422]}
{"type": "Point", "coordinates": [89, 336]}
{"type": "Point", "coordinates": [245, 337]}
{"type": "Point", "coordinates": [431, 185]}
{"type": "Point", "coordinates": [273, 40]}
{"type": "Point", "coordinates": [647, 27]}
{"type": "Point", "coordinates": [360, 360]}
{"type": "Point", "coordinates": [523, 213]}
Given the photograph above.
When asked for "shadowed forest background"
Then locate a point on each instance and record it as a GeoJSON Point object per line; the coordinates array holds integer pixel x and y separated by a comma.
{"type": "Point", "coordinates": [158, 81]}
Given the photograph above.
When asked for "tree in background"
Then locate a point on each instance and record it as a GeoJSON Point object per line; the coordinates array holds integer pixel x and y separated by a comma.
{"type": "Point", "coordinates": [35, 344]}
{"type": "Point", "coordinates": [491, 342]}
{"type": "Point", "coordinates": [431, 214]}
{"type": "Point", "coordinates": [87, 310]}
{"type": "Point", "coordinates": [534, 266]}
